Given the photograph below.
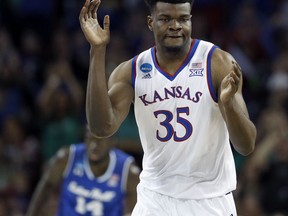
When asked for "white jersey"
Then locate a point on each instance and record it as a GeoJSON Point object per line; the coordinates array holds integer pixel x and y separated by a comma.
{"type": "Point", "coordinates": [187, 153]}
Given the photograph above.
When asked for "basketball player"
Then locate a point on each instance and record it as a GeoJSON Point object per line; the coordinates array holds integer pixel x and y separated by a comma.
{"type": "Point", "coordinates": [91, 178]}
{"type": "Point", "coordinates": [187, 95]}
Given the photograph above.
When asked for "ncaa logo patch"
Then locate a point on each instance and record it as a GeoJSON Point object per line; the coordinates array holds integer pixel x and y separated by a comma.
{"type": "Point", "coordinates": [78, 170]}
{"type": "Point", "coordinates": [146, 67]}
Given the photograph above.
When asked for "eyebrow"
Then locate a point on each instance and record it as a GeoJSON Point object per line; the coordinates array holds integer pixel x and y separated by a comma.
{"type": "Point", "coordinates": [166, 15]}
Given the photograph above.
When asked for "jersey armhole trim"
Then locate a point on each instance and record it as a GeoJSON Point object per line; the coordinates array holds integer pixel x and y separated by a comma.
{"type": "Point", "coordinates": [67, 170]}
{"type": "Point", "coordinates": [133, 73]}
{"type": "Point", "coordinates": [209, 75]}
{"type": "Point", "coordinates": [125, 173]}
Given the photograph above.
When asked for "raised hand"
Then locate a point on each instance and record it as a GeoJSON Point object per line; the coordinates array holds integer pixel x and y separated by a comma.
{"type": "Point", "coordinates": [230, 83]}
{"type": "Point", "coordinates": [94, 33]}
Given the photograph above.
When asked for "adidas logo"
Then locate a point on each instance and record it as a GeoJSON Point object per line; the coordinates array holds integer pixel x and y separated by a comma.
{"type": "Point", "coordinates": [147, 76]}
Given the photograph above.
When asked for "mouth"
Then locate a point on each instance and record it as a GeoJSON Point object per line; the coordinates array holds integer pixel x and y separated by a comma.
{"type": "Point", "coordinates": [94, 156]}
{"type": "Point", "coordinates": [174, 36]}
{"type": "Point", "coordinates": [94, 151]}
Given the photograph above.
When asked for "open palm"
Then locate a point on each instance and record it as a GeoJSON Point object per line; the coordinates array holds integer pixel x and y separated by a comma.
{"type": "Point", "coordinates": [93, 32]}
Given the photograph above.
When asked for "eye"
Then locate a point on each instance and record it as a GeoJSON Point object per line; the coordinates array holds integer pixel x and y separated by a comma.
{"type": "Point", "coordinates": [184, 20]}
{"type": "Point", "coordinates": [164, 19]}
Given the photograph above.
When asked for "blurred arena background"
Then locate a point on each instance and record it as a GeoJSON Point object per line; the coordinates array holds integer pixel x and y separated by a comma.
{"type": "Point", "coordinates": [43, 73]}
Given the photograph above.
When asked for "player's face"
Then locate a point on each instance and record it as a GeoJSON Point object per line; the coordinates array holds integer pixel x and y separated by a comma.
{"type": "Point", "coordinates": [171, 25]}
{"type": "Point", "coordinates": [97, 149]}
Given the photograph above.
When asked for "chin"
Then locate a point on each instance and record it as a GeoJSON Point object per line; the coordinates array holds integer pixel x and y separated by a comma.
{"type": "Point", "coordinates": [95, 161]}
{"type": "Point", "coordinates": [174, 48]}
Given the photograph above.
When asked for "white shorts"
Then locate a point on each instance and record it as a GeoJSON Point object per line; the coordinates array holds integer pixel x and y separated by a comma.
{"type": "Point", "coordinates": [150, 203]}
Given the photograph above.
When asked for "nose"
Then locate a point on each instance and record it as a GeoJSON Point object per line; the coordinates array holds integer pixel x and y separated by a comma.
{"type": "Point", "coordinates": [93, 144]}
{"type": "Point", "coordinates": [175, 25]}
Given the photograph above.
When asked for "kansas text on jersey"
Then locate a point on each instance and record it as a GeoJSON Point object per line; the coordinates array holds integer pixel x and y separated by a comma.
{"type": "Point", "coordinates": [187, 153]}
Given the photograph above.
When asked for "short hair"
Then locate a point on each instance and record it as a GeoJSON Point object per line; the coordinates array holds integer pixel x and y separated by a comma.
{"type": "Point", "coordinates": [151, 3]}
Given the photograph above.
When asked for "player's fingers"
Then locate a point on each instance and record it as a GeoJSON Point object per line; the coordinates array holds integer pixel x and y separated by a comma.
{"type": "Point", "coordinates": [83, 13]}
{"type": "Point", "coordinates": [90, 8]}
{"type": "Point", "coordinates": [235, 77]}
{"type": "Point", "coordinates": [225, 81]}
{"type": "Point", "coordinates": [94, 9]}
{"type": "Point", "coordinates": [106, 23]}
{"type": "Point", "coordinates": [237, 68]}
{"type": "Point", "coordinates": [231, 80]}
{"type": "Point", "coordinates": [232, 84]}
{"type": "Point", "coordinates": [97, 3]}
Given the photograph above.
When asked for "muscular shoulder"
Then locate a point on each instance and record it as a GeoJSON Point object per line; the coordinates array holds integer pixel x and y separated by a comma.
{"type": "Point", "coordinates": [221, 65]}
{"type": "Point", "coordinates": [122, 73]}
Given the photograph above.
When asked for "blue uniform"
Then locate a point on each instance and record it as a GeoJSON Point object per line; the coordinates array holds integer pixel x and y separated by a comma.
{"type": "Point", "coordinates": [84, 194]}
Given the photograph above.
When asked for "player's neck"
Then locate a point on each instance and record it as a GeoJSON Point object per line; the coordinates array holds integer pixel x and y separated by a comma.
{"type": "Point", "coordinates": [170, 59]}
{"type": "Point", "coordinates": [100, 167]}
{"type": "Point", "coordinates": [169, 54]}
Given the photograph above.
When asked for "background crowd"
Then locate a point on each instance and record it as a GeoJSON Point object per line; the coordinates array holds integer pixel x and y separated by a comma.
{"type": "Point", "coordinates": [43, 74]}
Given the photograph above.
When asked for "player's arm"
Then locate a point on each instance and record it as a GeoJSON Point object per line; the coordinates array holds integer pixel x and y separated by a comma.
{"type": "Point", "coordinates": [131, 192]}
{"type": "Point", "coordinates": [228, 80]}
{"type": "Point", "coordinates": [49, 182]}
{"type": "Point", "coordinates": [106, 106]}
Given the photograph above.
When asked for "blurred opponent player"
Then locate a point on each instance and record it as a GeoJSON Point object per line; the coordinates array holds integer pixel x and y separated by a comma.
{"type": "Point", "coordinates": [91, 178]}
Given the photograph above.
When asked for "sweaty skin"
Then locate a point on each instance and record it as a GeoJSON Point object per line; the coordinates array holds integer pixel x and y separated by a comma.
{"type": "Point", "coordinates": [172, 32]}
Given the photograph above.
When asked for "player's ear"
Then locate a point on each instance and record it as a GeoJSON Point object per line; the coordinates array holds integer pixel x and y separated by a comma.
{"type": "Point", "coordinates": [149, 22]}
